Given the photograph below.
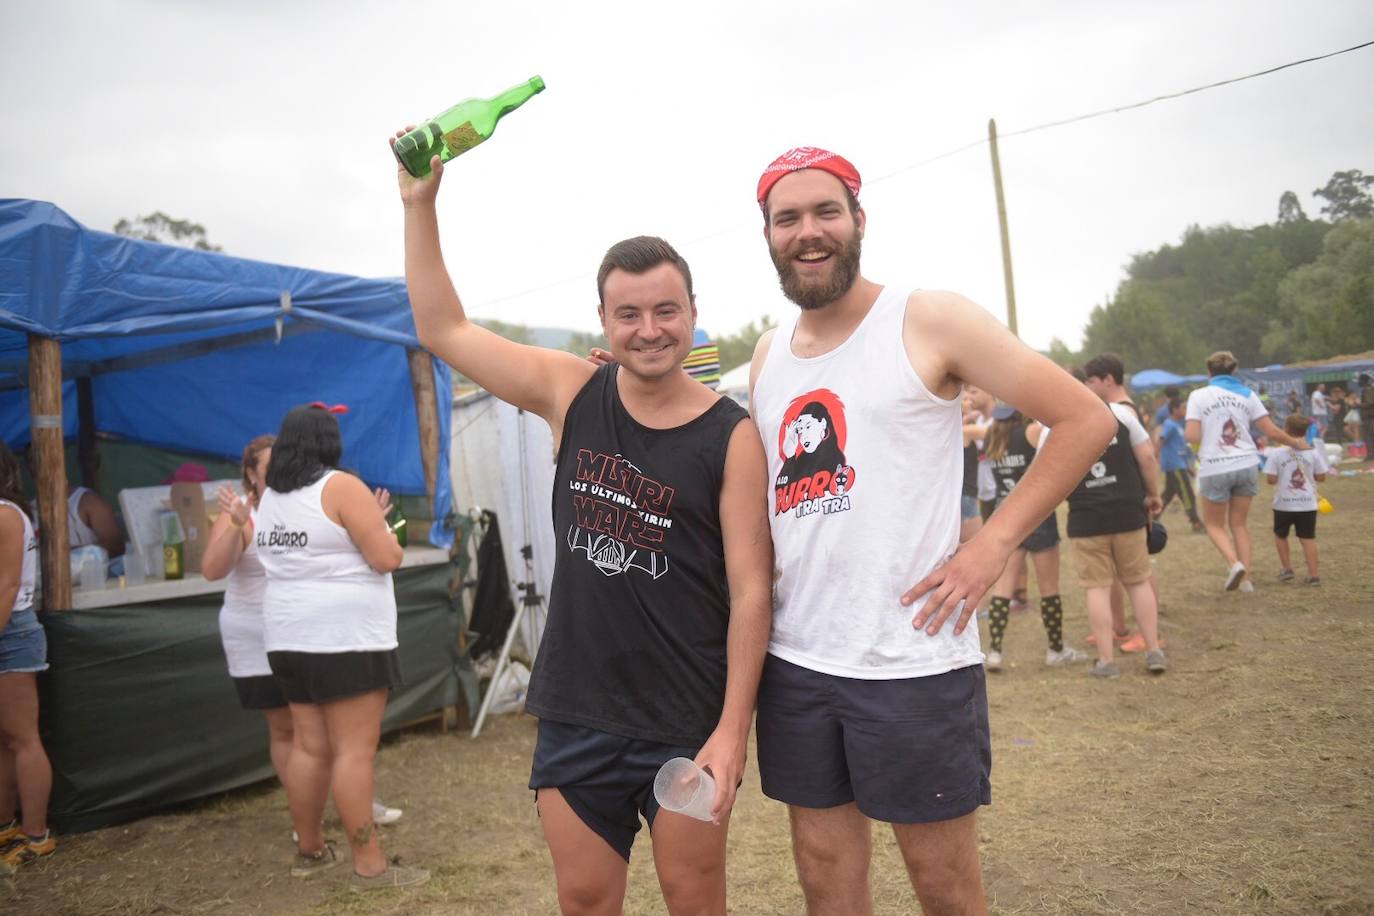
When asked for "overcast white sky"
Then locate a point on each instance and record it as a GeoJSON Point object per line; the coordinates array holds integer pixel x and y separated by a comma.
{"type": "Point", "coordinates": [266, 121]}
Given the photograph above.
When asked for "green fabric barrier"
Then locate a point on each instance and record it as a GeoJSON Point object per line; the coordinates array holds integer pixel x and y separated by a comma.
{"type": "Point", "coordinates": [138, 711]}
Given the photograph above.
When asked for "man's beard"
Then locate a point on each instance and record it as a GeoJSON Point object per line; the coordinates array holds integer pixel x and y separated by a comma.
{"type": "Point", "coordinates": [812, 295]}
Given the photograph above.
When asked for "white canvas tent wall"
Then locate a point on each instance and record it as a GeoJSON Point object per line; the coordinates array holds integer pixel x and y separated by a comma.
{"type": "Point", "coordinates": [485, 472]}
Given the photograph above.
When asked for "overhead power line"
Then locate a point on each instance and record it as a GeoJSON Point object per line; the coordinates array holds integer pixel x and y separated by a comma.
{"type": "Point", "coordinates": [980, 142]}
{"type": "Point", "coordinates": [1120, 108]}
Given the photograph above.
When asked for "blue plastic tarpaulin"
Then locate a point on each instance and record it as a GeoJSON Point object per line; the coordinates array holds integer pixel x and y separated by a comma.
{"type": "Point", "coordinates": [200, 352]}
{"type": "Point", "coordinates": [1149, 379]}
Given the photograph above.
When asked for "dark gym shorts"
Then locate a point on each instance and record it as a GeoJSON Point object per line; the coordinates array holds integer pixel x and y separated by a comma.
{"type": "Point", "coordinates": [606, 779]}
{"type": "Point", "coordinates": [908, 751]}
{"type": "Point", "coordinates": [1045, 536]}
{"type": "Point", "coordinates": [259, 692]}
{"type": "Point", "coordinates": [319, 677]}
{"type": "Point", "coordinates": [1304, 522]}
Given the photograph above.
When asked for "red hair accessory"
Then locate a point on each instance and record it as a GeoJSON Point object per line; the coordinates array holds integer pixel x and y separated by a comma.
{"type": "Point", "coordinates": [335, 409]}
{"type": "Point", "coordinates": [808, 157]}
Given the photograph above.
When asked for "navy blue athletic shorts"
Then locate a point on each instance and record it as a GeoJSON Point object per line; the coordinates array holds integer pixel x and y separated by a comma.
{"type": "Point", "coordinates": [908, 751]}
{"type": "Point", "coordinates": [607, 780]}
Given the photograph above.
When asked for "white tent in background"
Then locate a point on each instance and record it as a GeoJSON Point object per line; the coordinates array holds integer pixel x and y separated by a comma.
{"type": "Point", "coordinates": [485, 468]}
{"type": "Point", "coordinates": [735, 384]}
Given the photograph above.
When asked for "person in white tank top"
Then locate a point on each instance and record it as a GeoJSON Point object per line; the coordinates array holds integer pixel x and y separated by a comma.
{"type": "Point", "coordinates": [23, 653]}
{"type": "Point", "coordinates": [873, 592]}
{"type": "Point", "coordinates": [231, 553]}
{"type": "Point", "coordinates": [329, 615]}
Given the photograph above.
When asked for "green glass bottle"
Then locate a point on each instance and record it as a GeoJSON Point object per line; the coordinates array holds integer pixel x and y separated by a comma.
{"type": "Point", "coordinates": [460, 128]}
{"type": "Point", "coordinates": [397, 524]}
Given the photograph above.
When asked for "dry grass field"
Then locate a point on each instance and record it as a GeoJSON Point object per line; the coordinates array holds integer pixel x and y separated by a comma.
{"type": "Point", "coordinates": [1242, 781]}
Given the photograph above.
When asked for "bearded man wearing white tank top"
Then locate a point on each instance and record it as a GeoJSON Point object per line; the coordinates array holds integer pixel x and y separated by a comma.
{"type": "Point", "coordinates": [872, 702]}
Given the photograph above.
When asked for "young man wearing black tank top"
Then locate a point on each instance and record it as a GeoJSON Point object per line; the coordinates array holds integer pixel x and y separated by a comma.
{"type": "Point", "coordinates": [659, 610]}
{"type": "Point", "coordinates": [873, 702]}
{"type": "Point", "coordinates": [1106, 376]}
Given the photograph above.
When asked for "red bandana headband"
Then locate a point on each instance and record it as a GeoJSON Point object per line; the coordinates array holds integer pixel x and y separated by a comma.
{"type": "Point", "coordinates": [334, 409]}
{"type": "Point", "coordinates": [808, 157]}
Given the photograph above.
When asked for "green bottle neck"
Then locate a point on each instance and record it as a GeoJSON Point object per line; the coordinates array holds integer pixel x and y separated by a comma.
{"type": "Point", "coordinates": [516, 96]}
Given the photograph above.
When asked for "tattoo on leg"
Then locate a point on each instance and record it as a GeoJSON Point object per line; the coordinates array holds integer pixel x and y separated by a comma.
{"type": "Point", "coordinates": [363, 834]}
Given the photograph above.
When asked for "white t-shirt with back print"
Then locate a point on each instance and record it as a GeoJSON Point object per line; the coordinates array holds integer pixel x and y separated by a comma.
{"type": "Point", "coordinates": [1296, 488]}
{"type": "Point", "coordinates": [1225, 417]}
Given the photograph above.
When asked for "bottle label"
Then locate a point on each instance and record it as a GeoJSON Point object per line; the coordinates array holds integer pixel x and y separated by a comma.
{"type": "Point", "coordinates": [462, 138]}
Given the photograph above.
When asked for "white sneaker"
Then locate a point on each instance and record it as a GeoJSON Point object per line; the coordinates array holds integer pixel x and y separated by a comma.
{"type": "Point", "coordinates": [381, 814]}
{"type": "Point", "coordinates": [994, 660]}
{"type": "Point", "coordinates": [1235, 575]}
{"type": "Point", "coordinates": [1247, 586]}
{"type": "Point", "coordinates": [1065, 656]}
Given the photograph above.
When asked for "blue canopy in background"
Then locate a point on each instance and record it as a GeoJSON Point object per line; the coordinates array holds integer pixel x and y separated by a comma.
{"type": "Point", "coordinates": [1148, 379]}
{"type": "Point", "coordinates": [196, 351]}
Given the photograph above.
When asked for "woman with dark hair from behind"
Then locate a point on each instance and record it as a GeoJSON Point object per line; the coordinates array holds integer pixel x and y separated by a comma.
{"type": "Point", "coordinates": [329, 615]}
{"type": "Point", "coordinates": [232, 553]}
{"type": "Point", "coordinates": [24, 766]}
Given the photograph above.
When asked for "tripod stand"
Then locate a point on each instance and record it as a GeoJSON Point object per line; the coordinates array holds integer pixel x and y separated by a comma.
{"type": "Point", "coordinates": [528, 602]}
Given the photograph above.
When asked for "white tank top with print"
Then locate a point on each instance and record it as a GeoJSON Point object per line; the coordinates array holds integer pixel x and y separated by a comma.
{"type": "Point", "coordinates": [866, 467]}
{"type": "Point", "coordinates": [321, 594]}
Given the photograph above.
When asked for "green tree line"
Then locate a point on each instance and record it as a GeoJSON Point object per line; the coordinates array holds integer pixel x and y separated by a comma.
{"type": "Point", "coordinates": [1298, 288]}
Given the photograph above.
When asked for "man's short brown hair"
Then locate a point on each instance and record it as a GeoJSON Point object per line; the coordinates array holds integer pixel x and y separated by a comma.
{"type": "Point", "coordinates": [639, 255]}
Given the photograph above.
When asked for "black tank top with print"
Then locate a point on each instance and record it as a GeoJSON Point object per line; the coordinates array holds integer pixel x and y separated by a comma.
{"type": "Point", "coordinates": [1110, 499]}
{"type": "Point", "coordinates": [639, 607]}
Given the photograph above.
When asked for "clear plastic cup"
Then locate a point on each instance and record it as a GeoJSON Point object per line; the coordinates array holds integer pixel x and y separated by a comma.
{"type": "Point", "coordinates": [685, 788]}
{"type": "Point", "coordinates": [133, 566]}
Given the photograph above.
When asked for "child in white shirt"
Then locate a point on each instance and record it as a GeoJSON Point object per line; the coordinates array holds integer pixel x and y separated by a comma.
{"type": "Point", "coordinates": [1295, 475]}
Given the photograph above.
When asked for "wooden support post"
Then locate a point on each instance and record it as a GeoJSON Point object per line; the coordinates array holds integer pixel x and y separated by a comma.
{"type": "Point", "coordinates": [50, 470]}
{"type": "Point", "coordinates": [1002, 224]}
{"type": "Point", "coordinates": [427, 410]}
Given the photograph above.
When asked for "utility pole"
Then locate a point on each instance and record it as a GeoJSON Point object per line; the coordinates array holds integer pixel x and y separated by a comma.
{"type": "Point", "coordinates": [1002, 224]}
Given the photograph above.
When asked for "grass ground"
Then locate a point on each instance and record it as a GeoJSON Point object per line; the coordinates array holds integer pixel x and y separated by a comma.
{"type": "Point", "coordinates": [1242, 781]}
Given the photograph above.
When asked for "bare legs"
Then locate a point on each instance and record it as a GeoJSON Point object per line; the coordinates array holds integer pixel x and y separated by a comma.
{"type": "Point", "coordinates": [23, 762]}
{"type": "Point", "coordinates": [689, 856]}
{"type": "Point", "coordinates": [832, 848]}
{"type": "Point", "coordinates": [333, 747]}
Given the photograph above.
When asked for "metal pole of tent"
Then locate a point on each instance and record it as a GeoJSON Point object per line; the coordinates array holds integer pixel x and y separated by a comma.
{"type": "Point", "coordinates": [529, 599]}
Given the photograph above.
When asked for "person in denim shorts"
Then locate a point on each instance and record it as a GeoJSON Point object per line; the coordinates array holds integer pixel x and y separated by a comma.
{"type": "Point", "coordinates": [1219, 417]}
{"type": "Point", "coordinates": [23, 653]}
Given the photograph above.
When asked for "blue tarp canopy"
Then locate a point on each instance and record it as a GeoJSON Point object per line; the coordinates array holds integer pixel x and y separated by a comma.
{"type": "Point", "coordinates": [1148, 379]}
{"type": "Point", "coordinates": [196, 351]}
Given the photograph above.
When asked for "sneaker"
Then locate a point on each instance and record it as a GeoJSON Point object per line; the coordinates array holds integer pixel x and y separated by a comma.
{"type": "Point", "coordinates": [993, 662]}
{"type": "Point", "coordinates": [1155, 662]}
{"type": "Point", "coordinates": [310, 865]}
{"type": "Point", "coordinates": [1137, 643]}
{"type": "Point", "coordinates": [1105, 670]}
{"type": "Point", "coordinates": [1285, 575]}
{"type": "Point", "coordinates": [1117, 638]}
{"type": "Point", "coordinates": [23, 849]}
{"type": "Point", "coordinates": [1312, 580]}
{"type": "Point", "coordinates": [1235, 575]}
{"type": "Point", "coordinates": [9, 833]}
{"type": "Point", "coordinates": [1065, 656]}
{"type": "Point", "coordinates": [394, 876]}
{"type": "Point", "coordinates": [382, 815]}
{"type": "Point", "coordinates": [1247, 586]}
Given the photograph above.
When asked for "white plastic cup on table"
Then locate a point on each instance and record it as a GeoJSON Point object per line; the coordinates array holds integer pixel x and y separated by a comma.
{"type": "Point", "coordinates": [133, 566]}
{"type": "Point", "coordinates": [92, 572]}
{"type": "Point", "coordinates": [152, 560]}
{"type": "Point", "coordinates": [685, 788]}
